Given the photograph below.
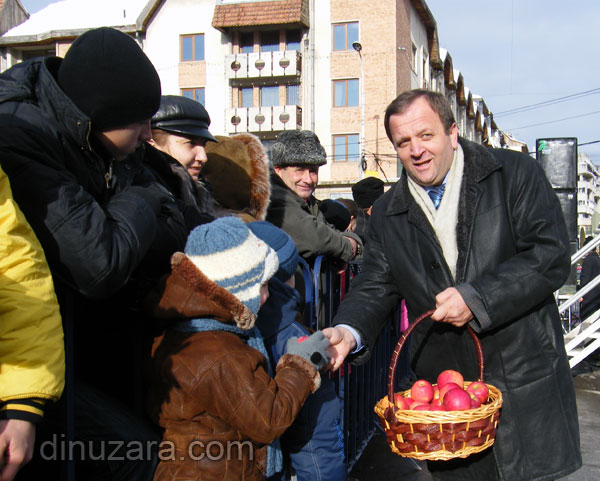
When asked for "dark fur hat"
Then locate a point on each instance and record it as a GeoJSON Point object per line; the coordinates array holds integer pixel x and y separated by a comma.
{"type": "Point", "coordinates": [297, 147]}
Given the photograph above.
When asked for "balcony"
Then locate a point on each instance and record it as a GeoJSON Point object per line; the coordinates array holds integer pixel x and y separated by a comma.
{"type": "Point", "coordinates": [263, 119]}
{"type": "Point", "coordinates": [285, 63]}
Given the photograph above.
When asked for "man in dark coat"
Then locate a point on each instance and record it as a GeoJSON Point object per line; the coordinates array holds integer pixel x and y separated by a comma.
{"type": "Point", "coordinates": [296, 157]}
{"type": "Point", "coordinates": [69, 136]}
{"type": "Point", "coordinates": [365, 192]}
{"type": "Point", "coordinates": [491, 254]}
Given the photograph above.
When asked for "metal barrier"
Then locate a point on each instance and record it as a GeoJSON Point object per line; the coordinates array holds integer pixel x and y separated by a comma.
{"type": "Point", "coordinates": [359, 387]}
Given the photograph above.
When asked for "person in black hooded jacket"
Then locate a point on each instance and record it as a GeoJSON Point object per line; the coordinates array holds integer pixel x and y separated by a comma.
{"type": "Point", "coordinates": [69, 136]}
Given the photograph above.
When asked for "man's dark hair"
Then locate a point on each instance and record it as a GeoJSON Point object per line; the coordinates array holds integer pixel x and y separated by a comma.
{"type": "Point", "coordinates": [435, 100]}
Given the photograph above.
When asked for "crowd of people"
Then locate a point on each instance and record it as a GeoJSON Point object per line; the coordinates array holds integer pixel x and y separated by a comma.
{"type": "Point", "coordinates": [171, 257]}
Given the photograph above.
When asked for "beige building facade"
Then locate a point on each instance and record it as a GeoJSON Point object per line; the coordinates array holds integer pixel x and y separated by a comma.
{"type": "Point", "coordinates": [331, 66]}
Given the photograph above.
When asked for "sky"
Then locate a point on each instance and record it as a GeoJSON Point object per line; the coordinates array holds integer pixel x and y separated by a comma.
{"type": "Point", "coordinates": [517, 54]}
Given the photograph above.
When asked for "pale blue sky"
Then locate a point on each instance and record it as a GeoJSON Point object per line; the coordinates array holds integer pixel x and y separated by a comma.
{"type": "Point", "coordinates": [517, 53]}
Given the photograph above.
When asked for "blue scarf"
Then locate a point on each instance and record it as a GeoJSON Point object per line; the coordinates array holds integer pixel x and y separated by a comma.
{"type": "Point", "coordinates": [255, 340]}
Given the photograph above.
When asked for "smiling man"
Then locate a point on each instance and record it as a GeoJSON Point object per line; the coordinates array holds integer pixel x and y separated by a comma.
{"type": "Point", "coordinates": [478, 236]}
{"type": "Point", "coordinates": [296, 157]}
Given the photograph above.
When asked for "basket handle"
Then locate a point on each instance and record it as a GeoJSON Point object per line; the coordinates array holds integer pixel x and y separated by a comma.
{"type": "Point", "coordinates": [400, 345]}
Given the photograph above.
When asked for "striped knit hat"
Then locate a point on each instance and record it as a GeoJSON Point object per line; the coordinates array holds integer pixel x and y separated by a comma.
{"type": "Point", "coordinates": [233, 257]}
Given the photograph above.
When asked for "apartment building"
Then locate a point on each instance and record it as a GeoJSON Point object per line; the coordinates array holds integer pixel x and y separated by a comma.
{"type": "Point", "coordinates": [588, 196]}
{"type": "Point", "coordinates": [331, 66]}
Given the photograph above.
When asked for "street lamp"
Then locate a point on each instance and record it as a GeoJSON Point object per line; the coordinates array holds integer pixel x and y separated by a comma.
{"type": "Point", "coordinates": [358, 47]}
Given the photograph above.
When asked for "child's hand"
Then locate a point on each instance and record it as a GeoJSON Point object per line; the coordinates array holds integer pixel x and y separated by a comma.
{"type": "Point", "coordinates": [313, 348]}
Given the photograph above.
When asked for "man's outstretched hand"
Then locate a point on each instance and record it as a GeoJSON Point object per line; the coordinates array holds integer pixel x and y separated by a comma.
{"type": "Point", "coordinates": [341, 343]}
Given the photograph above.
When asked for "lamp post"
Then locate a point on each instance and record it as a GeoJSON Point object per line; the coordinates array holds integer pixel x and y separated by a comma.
{"type": "Point", "coordinates": [362, 165]}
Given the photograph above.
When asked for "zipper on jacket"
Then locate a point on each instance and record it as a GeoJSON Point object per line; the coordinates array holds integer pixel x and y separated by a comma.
{"type": "Point", "coordinates": [108, 175]}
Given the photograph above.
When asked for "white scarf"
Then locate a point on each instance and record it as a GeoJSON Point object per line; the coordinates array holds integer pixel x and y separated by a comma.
{"type": "Point", "coordinates": [445, 217]}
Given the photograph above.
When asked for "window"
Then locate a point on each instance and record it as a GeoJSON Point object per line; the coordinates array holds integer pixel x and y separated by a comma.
{"type": "Point", "coordinates": [292, 40]}
{"type": "Point", "coordinates": [246, 42]}
{"type": "Point", "coordinates": [345, 93]}
{"type": "Point", "coordinates": [346, 148]}
{"type": "Point", "coordinates": [344, 34]}
{"type": "Point", "coordinates": [269, 96]}
{"type": "Point", "coordinates": [293, 95]}
{"type": "Point", "coordinates": [246, 97]}
{"type": "Point", "coordinates": [269, 41]}
{"type": "Point", "coordinates": [196, 94]}
{"type": "Point", "coordinates": [192, 47]}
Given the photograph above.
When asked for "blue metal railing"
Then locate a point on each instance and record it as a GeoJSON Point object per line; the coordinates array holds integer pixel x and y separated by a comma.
{"type": "Point", "coordinates": [359, 387]}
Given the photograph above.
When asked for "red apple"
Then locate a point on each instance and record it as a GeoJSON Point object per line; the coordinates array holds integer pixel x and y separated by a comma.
{"type": "Point", "coordinates": [450, 375]}
{"type": "Point", "coordinates": [457, 399]}
{"type": "Point", "coordinates": [401, 402]}
{"type": "Point", "coordinates": [480, 389]}
{"type": "Point", "coordinates": [446, 387]}
{"type": "Point", "coordinates": [436, 392]}
{"type": "Point", "coordinates": [475, 402]}
{"type": "Point", "coordinates": [415, 404]}
{"type": "Point", "coordinates": [436, 405]}
{"type": "Point", "coordinates": [422, 407]}
{"type": "Point", "coordinates": [422, 390]}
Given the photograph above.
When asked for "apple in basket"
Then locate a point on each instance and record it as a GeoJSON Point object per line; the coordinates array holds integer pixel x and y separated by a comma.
{"type": "Point", "coordinates": [449, 375]}
{"type": "Point", "coordinates": [418, 406]}
{"type": "Point", "coordinates": [457, 399]}
{"type": "Point", "coordinates": [401, 402]}
{"type": "Point", "coordinates": [447, 387]}
{"type": "Point", "coordinates": [422, 390]}
{"type": "Point", "coordinates": [479, 389]}
{"type": "Point", "coordinates": [475, 402]}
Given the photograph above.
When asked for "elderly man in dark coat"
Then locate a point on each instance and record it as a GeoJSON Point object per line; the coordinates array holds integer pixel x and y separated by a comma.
{"type": "Point", "coordinates": [296, 158]}
{"type": "Point", "coordinates": [490, 253]}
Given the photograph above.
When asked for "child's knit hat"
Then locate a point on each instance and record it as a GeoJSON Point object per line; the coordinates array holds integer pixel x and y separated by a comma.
{"type": "Point", "coordinates": [284, 246]}
{"type": "Point", "coordinates": [233, 257]}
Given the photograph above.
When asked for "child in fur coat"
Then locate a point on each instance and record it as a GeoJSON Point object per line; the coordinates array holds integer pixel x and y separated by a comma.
{"type": "Point", "coordinates": [212, 391]}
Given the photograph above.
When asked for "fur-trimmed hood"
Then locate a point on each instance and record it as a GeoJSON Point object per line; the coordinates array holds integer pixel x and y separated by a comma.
{"type": "Point", "coordinates": [238, 173]}
{"type": "Point", "coordinates": [188, 293]}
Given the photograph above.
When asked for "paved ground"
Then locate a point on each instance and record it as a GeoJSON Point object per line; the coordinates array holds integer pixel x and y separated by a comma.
{"type": "Point", "coordinates": [378, 463]}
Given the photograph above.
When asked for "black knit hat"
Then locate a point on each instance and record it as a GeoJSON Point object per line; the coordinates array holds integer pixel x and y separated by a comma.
{"type": "Point", "coordinates": [180, 115]}
{"type": "Point", "coordinates": [297, 147]}
{"type": "Point", "coordinates": [110, 79]}
{"type": "Point", "coordinates": [335, 213]}
{"type": "Point", "coordinates": [365, 192]}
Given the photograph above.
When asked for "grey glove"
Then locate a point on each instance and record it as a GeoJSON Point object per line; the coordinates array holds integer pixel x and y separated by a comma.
{"type": "Point", "coordinates": [313, 348]}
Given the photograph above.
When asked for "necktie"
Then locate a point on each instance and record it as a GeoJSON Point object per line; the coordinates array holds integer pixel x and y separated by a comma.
{"type": "Point", "coordinates": [436, 194]}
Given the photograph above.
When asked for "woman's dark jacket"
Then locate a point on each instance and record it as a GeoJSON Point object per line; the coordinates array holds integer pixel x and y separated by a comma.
{"type": "Point", "coordinates": [513, 254]}
{"type": "Point", "coordinates": [97, 219]}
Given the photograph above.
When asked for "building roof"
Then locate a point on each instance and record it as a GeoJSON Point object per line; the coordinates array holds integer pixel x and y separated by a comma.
{"type": "Point", "coordinates": [274, 12]}
{"type": "Point", "coordinates": [77, 15]}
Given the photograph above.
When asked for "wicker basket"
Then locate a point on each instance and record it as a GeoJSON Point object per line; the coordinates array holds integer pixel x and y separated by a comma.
{"type": "Point", "coordinates": [438, 435]}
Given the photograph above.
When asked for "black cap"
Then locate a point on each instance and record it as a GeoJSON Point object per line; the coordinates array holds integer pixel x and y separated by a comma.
{"type": "Point", "coordinates": [365, 192]}
{"type": "Point", "coordinates": [110, 79]}
{"type": "Point", "coordinates": [181, 115]}
{"type": "Point", "coordinates": [335, 213]}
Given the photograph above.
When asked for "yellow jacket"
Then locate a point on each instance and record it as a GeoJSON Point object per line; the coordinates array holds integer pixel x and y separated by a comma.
{"type": "Point", "coordinates": [32, 357]}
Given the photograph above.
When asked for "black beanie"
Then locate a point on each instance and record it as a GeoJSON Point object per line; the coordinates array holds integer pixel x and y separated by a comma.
{"type": "Point", "coordinates": [110, 79]}
{"type": "Point", "coordinates": [367, 191]}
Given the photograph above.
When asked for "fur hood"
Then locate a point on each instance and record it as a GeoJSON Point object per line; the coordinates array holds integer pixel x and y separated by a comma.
{"type": "Point", "coordinates": [188, 293]}
{"type": "Point", "coordinates": [238, 173]}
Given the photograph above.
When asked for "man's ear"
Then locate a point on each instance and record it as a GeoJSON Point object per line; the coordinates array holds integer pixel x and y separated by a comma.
{"type": "Point", "coordinates": [151, 142]}
{"type": "Point", "coordinates": [454, 136]}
